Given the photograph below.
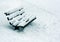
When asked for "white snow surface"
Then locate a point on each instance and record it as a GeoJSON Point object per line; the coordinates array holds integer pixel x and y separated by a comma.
{"type": "Point", "coordinates": [46, 28]}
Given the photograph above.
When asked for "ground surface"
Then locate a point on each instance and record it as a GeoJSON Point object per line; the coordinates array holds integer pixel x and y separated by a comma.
{"type": "Point", "coordinates": [46, 28]}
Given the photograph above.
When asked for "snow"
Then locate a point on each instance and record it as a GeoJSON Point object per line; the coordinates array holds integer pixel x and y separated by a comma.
{"type": "Point", "coordinates": [46, 28]}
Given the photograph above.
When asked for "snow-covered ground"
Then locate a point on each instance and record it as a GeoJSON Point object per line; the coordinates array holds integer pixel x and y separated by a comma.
{"type": "Point", "coordinates": [46, 28]}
